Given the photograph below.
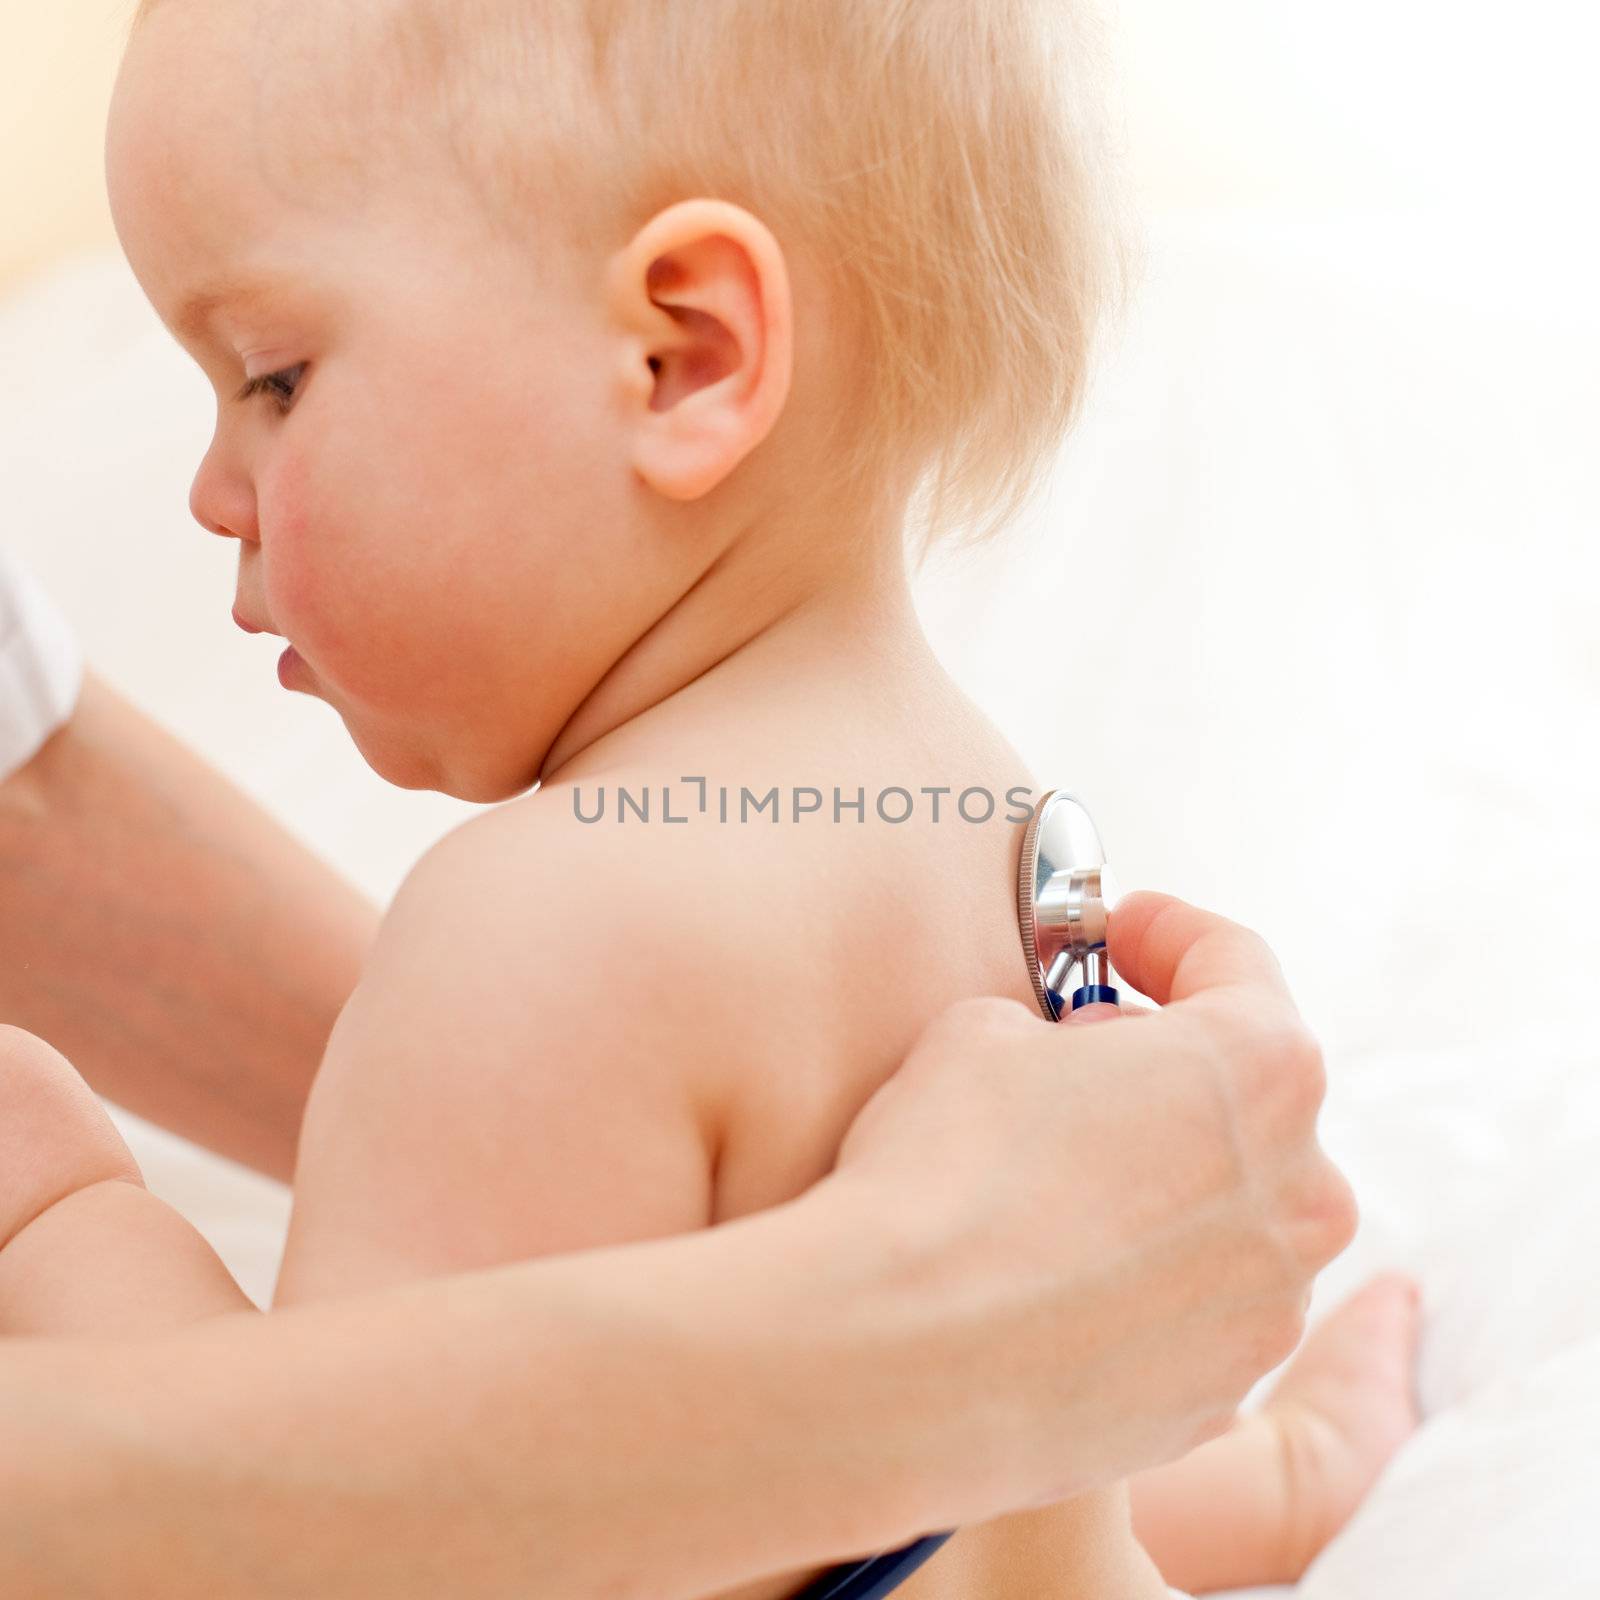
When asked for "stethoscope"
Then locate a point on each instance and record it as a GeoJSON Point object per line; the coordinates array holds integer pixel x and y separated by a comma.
{"type": "Point", "coordinates": [1063, 889]}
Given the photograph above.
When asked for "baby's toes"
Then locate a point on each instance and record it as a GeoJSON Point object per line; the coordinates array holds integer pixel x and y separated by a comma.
{"type": "Point", "coordinates": [1377, 1330]}
{"type": "Point", "coordinates": [1346, 1403]}
{"type": "Point", "coordinates": [1365, 1348]}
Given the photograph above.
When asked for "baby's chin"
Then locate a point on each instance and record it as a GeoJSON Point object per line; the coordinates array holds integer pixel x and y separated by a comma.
{"type": "Point", "coordinates": [414, 741]}
{"type": "Point", "coordinates": [443, 766]}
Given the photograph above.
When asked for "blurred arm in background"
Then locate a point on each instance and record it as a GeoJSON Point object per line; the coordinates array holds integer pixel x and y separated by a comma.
{"type": "Point", "coordinates": [168, 936]}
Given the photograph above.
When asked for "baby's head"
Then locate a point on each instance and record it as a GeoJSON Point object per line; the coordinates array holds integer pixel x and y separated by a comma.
{"type": "Point", "coordinates": [526, 317]}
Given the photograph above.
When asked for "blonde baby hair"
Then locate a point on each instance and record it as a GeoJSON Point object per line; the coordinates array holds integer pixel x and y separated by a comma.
{"type": "Point", "coordinates": [945, 166]}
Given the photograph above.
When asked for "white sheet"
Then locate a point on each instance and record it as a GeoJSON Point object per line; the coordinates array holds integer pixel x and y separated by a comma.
{"type": "Point", "coordinates": [1308, 619]}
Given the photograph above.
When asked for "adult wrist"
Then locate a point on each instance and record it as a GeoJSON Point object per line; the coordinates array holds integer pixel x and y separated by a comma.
{"type": "Point", "coordinates": [918, 1323]}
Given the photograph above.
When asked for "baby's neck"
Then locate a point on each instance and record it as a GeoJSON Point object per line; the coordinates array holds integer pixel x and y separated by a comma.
{"type": "Point", "coordinates": [736, 629]}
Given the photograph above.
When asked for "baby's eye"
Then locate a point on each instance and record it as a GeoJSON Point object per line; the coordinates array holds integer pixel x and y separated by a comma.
{"type": "Point", "coordinates": [280, 386]}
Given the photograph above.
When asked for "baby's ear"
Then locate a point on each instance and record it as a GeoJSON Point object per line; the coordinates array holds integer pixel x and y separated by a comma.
{"type": "Point", "coordinates": [701, 294]}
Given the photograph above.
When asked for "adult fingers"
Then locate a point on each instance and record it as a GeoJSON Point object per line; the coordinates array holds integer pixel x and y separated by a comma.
{"type": "Point", "coordinates": [1223, 976]}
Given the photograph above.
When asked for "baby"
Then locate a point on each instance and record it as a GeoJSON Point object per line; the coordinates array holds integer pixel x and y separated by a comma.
{"type": "Point", "coordinates": [584, 369]}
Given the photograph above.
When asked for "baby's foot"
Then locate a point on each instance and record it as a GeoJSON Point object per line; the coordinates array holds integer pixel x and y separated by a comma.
{"type": "Point", "coordinates": [1344, 1406]}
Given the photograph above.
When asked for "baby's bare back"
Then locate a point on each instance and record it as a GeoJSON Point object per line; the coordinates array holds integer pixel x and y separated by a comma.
{"type": "Point", "coordinates": [805, 944]}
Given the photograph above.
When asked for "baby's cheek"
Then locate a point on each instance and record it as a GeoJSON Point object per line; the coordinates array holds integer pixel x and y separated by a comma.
{"type": "Point", "coordinates": [299, 549]}
{"type": "Point", "coordinates": [338, 580]}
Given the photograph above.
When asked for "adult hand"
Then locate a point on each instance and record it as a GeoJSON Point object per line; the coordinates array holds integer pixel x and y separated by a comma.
{"type": "Point", "coordinates": [1049, 1256]}
{"type": "Point", "coordinates": [1133, 1213]}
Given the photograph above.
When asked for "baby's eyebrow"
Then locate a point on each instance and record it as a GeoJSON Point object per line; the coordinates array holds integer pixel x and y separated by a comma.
{"type": "Point", "coordinates": [194, 316]}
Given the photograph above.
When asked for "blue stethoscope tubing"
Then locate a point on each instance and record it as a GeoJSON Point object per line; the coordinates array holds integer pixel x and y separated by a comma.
{"type": "Point", "coordinates": [870, 1580]}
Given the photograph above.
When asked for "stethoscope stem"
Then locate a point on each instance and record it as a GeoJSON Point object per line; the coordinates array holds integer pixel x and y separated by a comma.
{"type": "Point", "coordinates": [1098, 994]}
{"type": "Point", "coordinates": [1096, 988]}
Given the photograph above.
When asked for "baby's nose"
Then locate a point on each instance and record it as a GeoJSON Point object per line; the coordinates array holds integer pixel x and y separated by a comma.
{"type": "Point", "coordinates": [223, 501]}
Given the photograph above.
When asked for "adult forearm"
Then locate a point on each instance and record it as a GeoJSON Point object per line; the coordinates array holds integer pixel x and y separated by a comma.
{"type": "Point", "coordinates": [662, 1420]}
{"type": "Point", "coordinates": [168, 936]}
{"type": "Point", "coordinates": [1048, 1257]}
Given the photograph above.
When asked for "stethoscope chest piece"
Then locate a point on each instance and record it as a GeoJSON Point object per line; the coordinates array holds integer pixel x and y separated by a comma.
{"type": "Point", "coordinates": [1063, 889]}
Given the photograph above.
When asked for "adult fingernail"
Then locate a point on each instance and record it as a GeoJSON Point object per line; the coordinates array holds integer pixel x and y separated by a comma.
{"type": "Point", "coordinates": [1098, 1011]}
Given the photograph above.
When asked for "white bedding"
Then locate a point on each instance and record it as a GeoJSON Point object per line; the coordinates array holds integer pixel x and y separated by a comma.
{"type": "Point", "coordinates": [1308, 620]}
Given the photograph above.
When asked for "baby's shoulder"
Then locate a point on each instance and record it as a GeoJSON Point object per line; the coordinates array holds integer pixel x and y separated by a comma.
{"type": "Point", "coordinates": [607, 880]}
{"type": "Point", "coordinates": [633, 931]}
{"type": "Point", "coordinates": [534, 1059]}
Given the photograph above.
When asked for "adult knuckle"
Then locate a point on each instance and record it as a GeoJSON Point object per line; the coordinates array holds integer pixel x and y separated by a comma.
{"type": "Point", "coordinates": [1257, 942]}
{"type": "Point", "coordinates": [1258, 956]}
{"type": "Point", "coordinates": [1340, 1212]}
{"type": "Point", "coordinates": [1280, 1060]}
{"type": "Point", "coordinates": [1279, 1034]}
{"type": "Point", "coordinates": [1306, 1065]}
{"type": "Point", "coordinates": [1325, 1217]}
{"type": "Point", "coordinates": [1245, 1034]}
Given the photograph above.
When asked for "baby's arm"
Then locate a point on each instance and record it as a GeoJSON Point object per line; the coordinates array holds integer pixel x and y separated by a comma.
{"type": "Point", "coordinates": [502, 1085]}
{"type": "Point", "coordinates": [85, 1248]}
{"type": "Point", "coordinates": [530, 1063]}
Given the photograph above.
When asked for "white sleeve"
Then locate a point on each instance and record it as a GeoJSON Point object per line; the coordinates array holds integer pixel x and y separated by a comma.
{"type": "Point", "coordinates": [41, 667]}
